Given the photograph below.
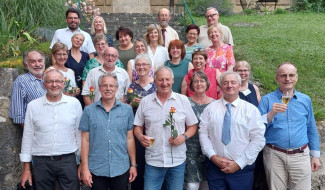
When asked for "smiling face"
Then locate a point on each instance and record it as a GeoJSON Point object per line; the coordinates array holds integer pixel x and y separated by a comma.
{"type": "Point", "coordinates": [244, 73]}
{"type": "Point", "coordinates": [230, 87]}
{"type": "Point", "coordinates": [199, 62]}
{"type": "Point", "coordinates": [164, 81]}
{"type": "Point", "coordinates": [110, 57]}
{"type": "Point", "coordinates": [192, 36]}
{"type": "Point", "coordinates": [108, 88]}
{"type": "Point", "coordinates": [100, 47]}
{"type": "Point", "coordinates": [175, 52]}
{"type": "Point", "coordinates": [124, 39]}
{"type": "Point", "coordinates": [214, 35]}
{"type": "Point", "coordinates": [61, 57]}
{"type": "Point", "coordinates": [53, 83]}
{"type": "Point", "coordinates": [35, 63]}
{"type": "Point", "coordinates": [99, 24]}
{"type": "Point", "coordinates": [153, 35]}
{"type": "Point", "coordinates": [286, 77]}
{"type": "Point", "coordinates": [199, 84]}
{"type": "Point", "coordinates": [73, 21]}
{"type": "Point", "coordinates": [163, 17]}
{"type": "Point", "coordinates": [139, 47]}
{"type": "Point", "coordinates": [142, 67]}
{"type": "Point", "coordinates": [77, 40]}
{"type": "Point", "coordinates": [212, 17]}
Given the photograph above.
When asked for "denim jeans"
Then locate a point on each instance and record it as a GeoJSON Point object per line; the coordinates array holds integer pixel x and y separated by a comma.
{"type": "Point", "coordinates": [154, 177]}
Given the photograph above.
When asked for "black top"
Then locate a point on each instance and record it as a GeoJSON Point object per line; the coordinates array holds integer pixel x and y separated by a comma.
{"type": "Point", "coordinates": [251, 97]}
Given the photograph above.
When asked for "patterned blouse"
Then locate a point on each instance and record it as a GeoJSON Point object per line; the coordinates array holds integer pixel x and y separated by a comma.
{"type": "Point", "coordinates": [220, 58]}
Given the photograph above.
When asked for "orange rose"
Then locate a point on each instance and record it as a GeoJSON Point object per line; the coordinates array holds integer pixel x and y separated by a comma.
{"type": "Point", "coordinates": [65, 79]}
{"type": "Point", "coordinates": [92, 89]}
{"type": "Point", "coordinates": [130, 91]}
{"type": "Point", "coordinates": [172, 110]}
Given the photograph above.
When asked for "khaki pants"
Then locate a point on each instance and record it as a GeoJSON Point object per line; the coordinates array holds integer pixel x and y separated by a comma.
{"type": "Point", "coordinates": [284, 171]}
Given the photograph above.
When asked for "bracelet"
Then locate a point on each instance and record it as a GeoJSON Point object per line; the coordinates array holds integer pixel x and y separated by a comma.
{"type": "Point", "coordinates": [134, 165]}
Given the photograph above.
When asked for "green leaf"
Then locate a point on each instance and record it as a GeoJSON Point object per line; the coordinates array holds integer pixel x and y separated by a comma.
{"type": "Point", "coordinates": [164, 125]}
{"type": "Point", "coordinates": [175, 133]}
{"type": "Point", "coordinates": [167, 123]}
{"type": "Point", "coordinates": [172, 127]}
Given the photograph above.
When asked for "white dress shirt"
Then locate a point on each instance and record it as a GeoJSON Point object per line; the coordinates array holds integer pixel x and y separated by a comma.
{"type": "Point", "coordinates": [247, 132]}
{"type": "Point", "coordinates": [64, 35]}
{"type": "Point", "coordinates": [51, 128]}
{"type": "Point", "coordinates": [152, 114]}
{"type": "Point", "coordinates": [170, 35]}
{"type": "Point", "coordinates": [158, 59]}
{"type": "Point", "coordinates": [92, 80]}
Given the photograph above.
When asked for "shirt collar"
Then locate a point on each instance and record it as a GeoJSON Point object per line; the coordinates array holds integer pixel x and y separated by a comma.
{"type": "Point", "coordinates": [172, 96]}
{"type": "Point", "coordinates": [63, 99]}
{"type": "Point", "coordinates": [114, 71]}
{"type": "Point", "coordinates": [68, 29]}
{"type": "Point", "coordinates": [100, 104]}
{"type": "Point", "coordinates": [279, 93]}
{"type": "Point", "coordinates": [33, 77]}
{"type": "Point", "coordinates": [234, 103]}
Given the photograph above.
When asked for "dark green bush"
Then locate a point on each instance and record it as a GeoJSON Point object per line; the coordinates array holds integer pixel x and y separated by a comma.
{"type": "Point", "coordinates": [309, 5]}
{"type": "Point", "coordinates": [199, 7]}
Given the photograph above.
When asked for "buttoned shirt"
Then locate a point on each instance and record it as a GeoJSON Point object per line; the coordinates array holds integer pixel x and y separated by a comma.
{"type": "Point", "coordinates": [108, 155]}
{"type": "Point", "coordinates": [26, 88]}
{"type": "Point", "coordinates": [206, 42]}
{"type": "Point", "coordinates": [293, 128]}
{"type": "Point", "coordinates": [247, 132]}
{"type": "Point", "coordinates": [170, 34]}
{"type": "Point", "coordinates": [92, 80]}
{"type": "Point", "coordinates": [51, 128]}
{"type": "Point", "coordinates": [152, 114]}
{"type": "Point", "coordinates": [161, 55]}
{"type": "Point", "coordinates": [64, 35]}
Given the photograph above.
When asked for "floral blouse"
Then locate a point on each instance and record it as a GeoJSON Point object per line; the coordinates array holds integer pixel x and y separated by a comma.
{"type": "Point", "coordinates": [220, 58]}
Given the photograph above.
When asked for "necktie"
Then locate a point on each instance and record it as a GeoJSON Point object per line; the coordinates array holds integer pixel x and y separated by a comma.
{"type": "Point", "coordinates": [226, 136]}
{"type": "Point", "coordinates": [163, 30]}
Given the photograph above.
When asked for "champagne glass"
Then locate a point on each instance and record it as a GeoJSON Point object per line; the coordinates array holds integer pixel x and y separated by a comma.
{"type": "Point", "coordinates": [74, 89]}
{"type": "Point", "coordinates": [285, 97]}
{"type": "Point", "coordinates": [152, 140]}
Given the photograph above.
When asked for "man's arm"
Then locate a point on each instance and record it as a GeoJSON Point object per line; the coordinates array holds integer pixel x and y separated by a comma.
{"type": "Point", "coordinates": [138, 132]}
{"type": "Point", "coordinates": [190, 132]}
{"type": "Point", "coordinates": [276, 108]}
{"type": "Point", "coordinates": [85, 90]}
{"type": "Point", "coordinates": [86, 175]}
{"type": "Point", "coordinates": [17, 104]}
{"type": "Point", "coordinates": [26, 175]}
{"type": "Point", "coordinates": [131, 152]}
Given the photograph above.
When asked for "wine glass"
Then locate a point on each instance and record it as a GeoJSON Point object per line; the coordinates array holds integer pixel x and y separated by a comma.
{"type": "Point", "coordinates": [285, 97]}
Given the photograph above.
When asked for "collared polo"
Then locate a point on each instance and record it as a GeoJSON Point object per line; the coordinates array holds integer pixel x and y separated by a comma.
{"type": "Point", "coordinates": [26, 88]}
{"type": "Point", "coordinates": [293, 128]}
{"type": "Point", "coordinates": [152, 114]}
{"type": "Point", "coordinates": [108, 154]}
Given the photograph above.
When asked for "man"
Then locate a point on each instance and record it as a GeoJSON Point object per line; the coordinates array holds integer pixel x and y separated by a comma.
{"type": "Point", "coordinates": [167, 33]}
{"type": "Point", "coordinates": [165, 159]}
{"type": "Point", "coordinates": [110, 56]}
{"type": "Point", "coordinates": [64, 34]}
{"type": "Point", "coordinates": [108, 145]}
{"type": "Point", "coordinates": [291, 134]}
{"type": "Point", "coordinates": [51, 137]}
{"type": "Point", "coordinates": [27, 87]}
{"type": "Point", "coordinates": [212, 16]}
{"type": "Point", "coordinates": [231, 136]}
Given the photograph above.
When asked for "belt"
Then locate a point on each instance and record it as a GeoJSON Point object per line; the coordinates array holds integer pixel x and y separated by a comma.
{"type": "Point", "coordinates": [57, 157]}
{"type": "Point", "coordinates": [294, 151]}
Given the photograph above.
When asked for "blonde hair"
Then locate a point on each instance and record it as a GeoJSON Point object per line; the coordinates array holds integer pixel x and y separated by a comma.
{"type": "Point", "coordinates": [213, 26]}
{"type": "Point", "coordinates": [242, 63]}
{"type": "Point", "coordinates": [59, 46]}
{"type": "Point", "coordinates": [92, 31]}
{"type": "Point", "coordinates": [150, 28]}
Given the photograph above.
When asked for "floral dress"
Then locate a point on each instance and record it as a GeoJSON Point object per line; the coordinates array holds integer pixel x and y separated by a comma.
{"type": "Point", "coordinates": [220, 58]}
{"type": "Point", "coordinates": [195, 170]}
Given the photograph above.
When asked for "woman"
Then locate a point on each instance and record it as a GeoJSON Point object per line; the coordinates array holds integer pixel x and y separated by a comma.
{"type": "Point", "coordinates": [195, 167]}
{"type": "Point", "coordinates": [157, 53]}
{"type": "Point", "coordinates": [220, 55]}
{"type": "Point", "coordinates": [140, 47]}
{"type": "Point", "coordinates": [213, 74]}
{"type": "Point", "coordinates": [177, 63]}
{"type": "Point", "coordinates": [98, 26]}
{"type": "Point", "coordinates": [77, 60]}
{"type": "Point", "coordinates": [248, 91]}
{"type": "Point", "coordinates": [125, 49]}
{"type": "Point", "coordinates": [60, 52]}
{"type": "Point", "coordinates": [192, 33]}
{"type": "Point", "coordinates": [140, 88]}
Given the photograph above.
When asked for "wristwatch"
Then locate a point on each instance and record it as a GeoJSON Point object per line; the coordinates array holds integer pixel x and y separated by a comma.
{"type": "Point", "coordinates": [185, 136]}
{"type": "Point", "coordinates": [134, 165]}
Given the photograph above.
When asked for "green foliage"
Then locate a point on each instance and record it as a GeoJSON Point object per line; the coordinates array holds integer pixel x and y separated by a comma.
{"type": "Point", "coordinates": [280, 11]}
{"type": "Point", "coordinates": [199, 7]}
{"type": "Point", "coordinates": [309, 5]}
{"type": "Point", "coordinates": [250, 11]}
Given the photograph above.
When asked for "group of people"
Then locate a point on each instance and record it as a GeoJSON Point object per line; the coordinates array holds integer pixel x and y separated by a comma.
{"type": "Point", "coordinates": [158, 113]}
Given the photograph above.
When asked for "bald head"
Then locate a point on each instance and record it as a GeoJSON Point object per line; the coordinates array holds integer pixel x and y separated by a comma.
{"type": "Point", "coordinates": [110, 57]}
{"type": "Point", "coordinates": [164, 17]}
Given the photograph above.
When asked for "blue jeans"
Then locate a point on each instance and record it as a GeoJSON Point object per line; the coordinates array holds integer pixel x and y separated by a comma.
{"type": "Point", "coordinates": [154, 177]}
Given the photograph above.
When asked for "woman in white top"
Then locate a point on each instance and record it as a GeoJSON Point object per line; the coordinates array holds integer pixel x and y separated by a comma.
{"type": "Point", "coordinates": [60, 52]}
{"type": "Point", "coordinates": [157, 53]}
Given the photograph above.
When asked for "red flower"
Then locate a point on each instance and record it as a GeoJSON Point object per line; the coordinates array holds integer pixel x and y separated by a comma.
{"type": "Point", "coordinates": [172, 110]}
{"type": "Point", "coordinates": [92, 89]}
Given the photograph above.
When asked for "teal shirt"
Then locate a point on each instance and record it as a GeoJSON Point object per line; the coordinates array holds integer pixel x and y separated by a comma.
{"type": "Point", "coordinates": [179, 71]}
{"type": "Point", "coordinates": [189, 51]}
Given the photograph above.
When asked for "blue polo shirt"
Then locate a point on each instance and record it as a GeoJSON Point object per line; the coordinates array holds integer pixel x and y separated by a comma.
{"type": "Point", "coordinates": [293, 128]}
{"type": "Point", "coordinates": [108, 155]}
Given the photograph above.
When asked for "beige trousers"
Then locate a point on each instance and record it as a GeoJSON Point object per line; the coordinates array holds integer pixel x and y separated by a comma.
{"type": "Point", "coordinates": [284, 171]}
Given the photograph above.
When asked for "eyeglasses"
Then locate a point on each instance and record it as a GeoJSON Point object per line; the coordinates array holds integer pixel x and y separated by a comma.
{"type": "Point", "coordinates": [141, 65]}
{"type": "Point", "coordinates": [110, 55]}
{"type": "Point", "coordinates": [199, 81]}
{"type": "Point", "coordinates": [284, 76]}
{"type": "Point", "coordinates": [108, 86]}
{"type": "Point", "coordinates": [54, 81]}
{"type": "Point", "coordinates": [199, 49]}
{"type": "Point", "coordinates": [210, 16]}
{"type": "Point", "coordinates": [243, 71]}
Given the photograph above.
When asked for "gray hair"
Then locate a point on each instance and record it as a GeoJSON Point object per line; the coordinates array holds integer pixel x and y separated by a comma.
{"type": "Point", "coordinates": [143, 56]}
{"type": "Point", "coordinates": [161, 68]}
{"type": "Point", "coordinates": [78, 33]}
{"type": "Point", "coordinates": [51, 71]}
{"type": "Point", "coordinates": [230, 73]}
{"type": "Point", "coordinates": [203, 76]}
{"type": "Point", "coordinates": [143, 41]}
{"type": "Point", "coordinates": [209, 8]}
{"type": "Point", "coordinates": [107, 75]}
{"type": "Point", "coordinates": [26, 55]}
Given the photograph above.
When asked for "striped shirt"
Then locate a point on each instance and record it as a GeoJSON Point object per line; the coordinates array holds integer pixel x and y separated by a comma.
{"type": "Point", "coordinates": [26, 88]}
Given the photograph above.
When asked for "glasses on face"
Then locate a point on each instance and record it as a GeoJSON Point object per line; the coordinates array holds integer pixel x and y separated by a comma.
{"type": "Point", "coordinates": [242, 71]}
{"type": "Point", "coordinates": [110, 55]}
{"type": "Point", "coordinates": [199, 81]}
{"type": "Point", "coordinates": [211, 16]}
{"type": "Point", "coordinates": [199, 49]}
{"type": "Point", "coordinates": [141, 65]}
{"type": "Point", "coordinates": [61, 54]}
{"type": "Point", "coordinates": [284, 76]}
{"type": "Point", "coordinates": [54, 81]}
{"type": "Point", "coordinates": [108, 86]}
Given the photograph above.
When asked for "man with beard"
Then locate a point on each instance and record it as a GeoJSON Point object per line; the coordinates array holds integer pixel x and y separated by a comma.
{"type": "Point", "coordinates": [212, 16]}
{"type": "Point", "coordinates": [27, 87]}
{"type": "Point", "coordinates": [167, 33]}
{"type": "Point", "coordinates": [51, 137]}
{"type": "Point", "coordinates": [110, 56]}
{"type": "Point", "coordinates": [64, 34]}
